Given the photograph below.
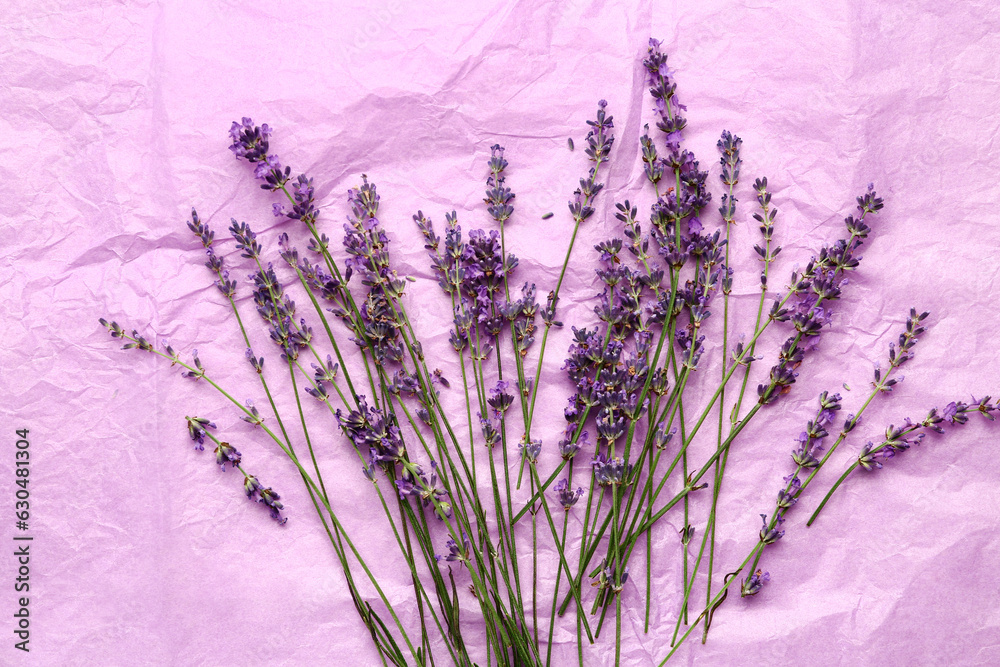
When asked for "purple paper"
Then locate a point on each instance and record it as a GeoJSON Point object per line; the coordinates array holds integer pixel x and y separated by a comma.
{"type": "Point", "coordinates": [115, 124]}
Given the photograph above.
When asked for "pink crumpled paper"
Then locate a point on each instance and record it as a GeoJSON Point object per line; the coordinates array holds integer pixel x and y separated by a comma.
{"type": "Point", "coordinates": [114, 123]}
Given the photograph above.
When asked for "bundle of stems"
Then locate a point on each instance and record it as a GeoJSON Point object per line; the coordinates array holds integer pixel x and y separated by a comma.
{"type": "Point", "coordinates": [446, 484]}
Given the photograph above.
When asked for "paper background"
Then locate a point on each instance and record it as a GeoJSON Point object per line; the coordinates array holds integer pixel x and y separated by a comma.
{"type": "Point", "coordinates": [114, 121]}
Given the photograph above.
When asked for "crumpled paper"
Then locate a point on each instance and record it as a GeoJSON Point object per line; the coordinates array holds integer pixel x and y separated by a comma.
{"type": "Point", "coordinates": [115, 125]}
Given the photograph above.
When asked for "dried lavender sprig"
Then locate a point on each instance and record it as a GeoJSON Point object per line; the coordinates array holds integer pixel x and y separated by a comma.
{"type": "Point", "coordinates": [487, 267]}
{"type": "Point", "coordinates": [766, 219]}
{"type": "Point", "coordinates": [277, 310]}
{"type": "Point", "coordinates": [689, 197]}
{"type": "Point", "coordinates": [451, 279]}
{"type": "Point", "coordinates": [226, 453]}
{"type": "Point", "coordinates": [520, 315]}
{"type": "Point", "coordinates": [310, 278]}
{"type": "Point", "coordinates": [895, 442]}
{"type": "Point", "coordinates": [327, 374]}
{"type": "Point", "coordinates": [447, 264]}
{"type": "Point", "coordinates": [228, 289]}
{"type": "Point", "coordinates": [805, 457]}
{"type": "Point", "coordinates": [579, 430]}
{"type": "Point", "coordinates": [367, 243]}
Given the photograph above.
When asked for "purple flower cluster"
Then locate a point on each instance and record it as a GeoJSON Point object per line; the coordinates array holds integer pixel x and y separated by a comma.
{"type": "Point", "coordinates": [609, 365]}
{"type": "Point", "coordinates": [214, 263]}
{"type": "Point", "coordinates": [196, 374]}
{"type": "Point", "coordinates": [754, 583]}
{"type": "Point", "coordinates": [252, 487]}
{"type": "Point", "coordinates": [806, 456]}
{"type": "Point", "coordinates": [476, 274]}
{"type": "Point", "coordinates": [226, 453]}
{"type": "Point", "coordinates": [373, 433]}
{"type": "Point", "coordinates": [376, 436]}
{"type": "Point", "coordinates": [197, 430]}
{"type": "Point", "coordinates": [821, 281]}
{"type": "Point", "coordinates": [729, 145]}
{"type": "Point", "coordinates": [606, 578]}
{"type": "Point", "coordinates": [250, 142]}
{"type": "Point", "coordinates": [485, 270]}
{"type": "Point", "coordinates": [600, 139]}
{"type": "Point", "coordinates": [610, 471]}
{"type": "Point", "coordinates": [498, 197]}
{"type": "Point", "coordinates": [567, 497]}
{"type": "Point", "coordinates": [368, 246]}
{"type": "Point", "coordinates": [278, 311]}
{"type": "Point", "coordinates": [810, 440]}
{"type": "Point", "coordinates": [456, 553]}
{"type": "Point", "coordinates": [895, 442]}
{"type": "Point", "coordinates": [415, 482]}
{"type": "Point", "coordinates": [500, 399]}
{"type": "Point", "coordinates": [675, 223]}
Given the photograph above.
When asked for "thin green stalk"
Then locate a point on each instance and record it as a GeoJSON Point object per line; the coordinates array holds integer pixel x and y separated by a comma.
{"type": "Point", "coordinates": [554, 299]}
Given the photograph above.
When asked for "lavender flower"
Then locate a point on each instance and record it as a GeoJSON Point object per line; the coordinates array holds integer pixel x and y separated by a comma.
{"type": "Point", "coordinates": [755, 582]}
{"type": "Point", "coordinates": [254, 417]}
{"type": "Point", "coordinates": [196, 374]}
{"type": "Point", "coordinates": [498, 197]}
{"type": "Point", "coordinates": [272, 500]}
{"type": "Point", "coordinates": [415, 482]}
{"type": "Point", "coordinates": [455, 552]}
{"type": "Point", "coordinates": [610, 471]}
{"type": "Point", "coordinates": [567, 497]}
{"type": "Point", "coordinates": [500, 400]}
{"type": "Point", "coordinates": [251, 485]}
{"type": "Point", "coordinates": [807, 453]}
{"type": "Point", "coordinates": [249, 141]}
{"type": "Point", "coordinates": [196, 429]}
{"type": "Point", "coordinates": [606, 578]}
{"type": "Point", "coordinates": [530, 450]}
{"type": "Point", "coordinates": [226, 453]}
{"type": "Point", "coordinates": [370, 430]}
{"type": "Point", "coordinates": [770, 534]}
{"type": "Point", "coordinates": [899, 439]}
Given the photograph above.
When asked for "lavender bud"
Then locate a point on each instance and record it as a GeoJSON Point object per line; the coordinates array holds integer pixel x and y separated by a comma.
{"type": "Point", "coordinates": [755, 582]}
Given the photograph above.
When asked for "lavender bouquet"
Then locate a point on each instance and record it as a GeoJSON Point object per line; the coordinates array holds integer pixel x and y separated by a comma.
{"type": "Point", "coordinates": [477, 496]}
